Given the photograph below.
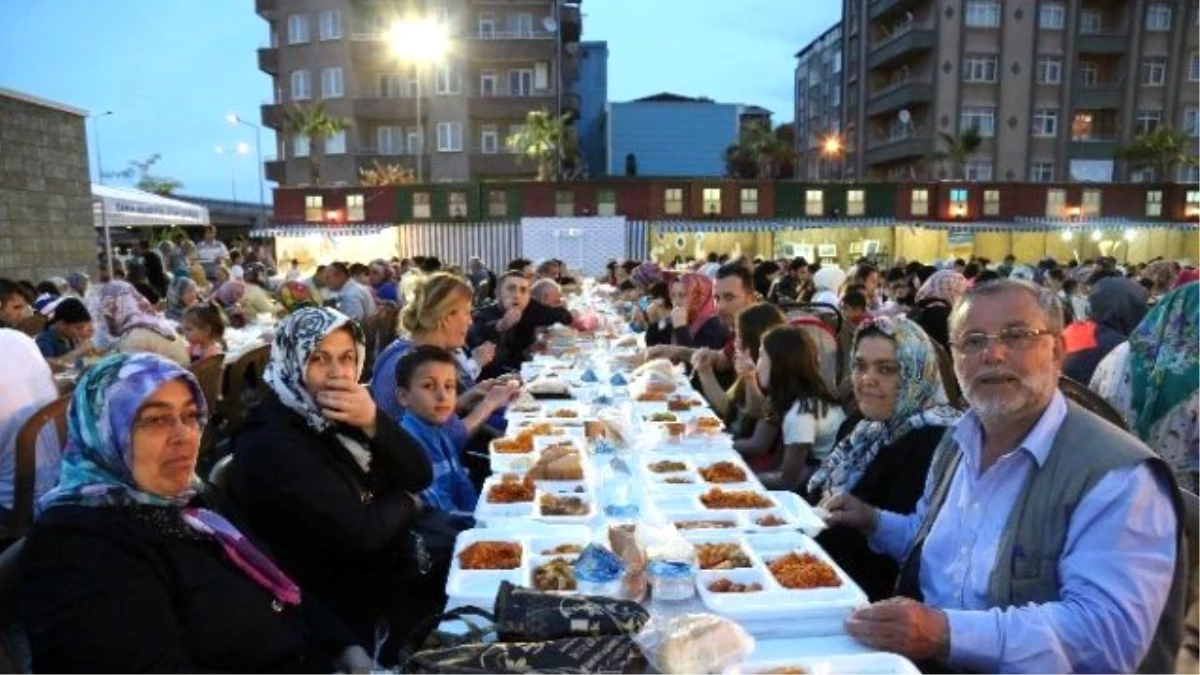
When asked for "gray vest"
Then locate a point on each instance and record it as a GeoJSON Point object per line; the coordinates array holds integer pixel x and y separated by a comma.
{"type": "Point", "coordinates": [1084, 450]}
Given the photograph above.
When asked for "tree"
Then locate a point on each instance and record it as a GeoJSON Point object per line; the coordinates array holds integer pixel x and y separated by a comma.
{"type": "Point", "coordinates": [762, 153]}
{"type": "Point", "coordinates": [381, 174]}
{"type": "Point", "coordinates": [957, 149]}
{"type": "Point", "coordinates": [138, 173]}
{"type": "Point", "coordinates": [550, 143]}
{"type": "Point", "coordinates": [1162, 149]}
{"type": "Point", "coordinates": [318, 126]}
{"type": "Point", "coordinates": [785, 154]}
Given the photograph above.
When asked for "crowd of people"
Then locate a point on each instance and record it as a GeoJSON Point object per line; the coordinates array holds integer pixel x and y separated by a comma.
{"type": "Point", "coordinates": [995, 524]}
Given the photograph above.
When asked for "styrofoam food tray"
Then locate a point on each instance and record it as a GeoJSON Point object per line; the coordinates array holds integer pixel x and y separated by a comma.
{"type": "Point", "coordinates": [491, 515]}
{"type": "Point", "coordinates": [546, 410]}
{"type": "Point", "coordinates": [502, 462]}
{"type": "Point", "coordinates": [482, 585]}
{"type": "Point", "coordinates": [774, 503]}
{"type": "Point", "coordinates": [876, 663]}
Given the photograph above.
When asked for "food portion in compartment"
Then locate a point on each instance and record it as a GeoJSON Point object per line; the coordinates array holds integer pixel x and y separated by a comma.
{"type": "Point", "coordinates": [723, 472]}
{"type": "Point", "coordinates": [555, 575]}
{"type": "Point", "coordinates": [681, 404]}
{"type": "Point", "coordinates": [675, 428]}
{"type": "Point", "coordinates": [801, 571]}
{"type": "Point", "coordinates": [511, 446]}
{"type": "Point", "coordinates": [563, 505]}
{"type": "Point", "coordinates": [707, 424]}
{"type": "Point", "coordinates": [667, 466]}
{"type": "Point", "coordinates": [565, 413]}
{"type": "Point", "coordinates": [548, 384]}
{"type": "Point", "coordinates": [717, 498]}
{"type": "Point", "coordinates": [679, 480]}
{"type": "Point", "coordinates": [525, 409]}
{"type": "Point", "coordinates": [731, 586]}
{"type": "Point", "coordinates": [651, 397]}
{"type": "Point", "coordinates": [558, 463]}
{"type": "Point", "coordinates": [564, 549]}
{"type": "Point", "coordinates": [721, 556]}
{"type": "Point", "coordinates": [522, 443]}
{"type": "Point", "coordinates": [783, 670]}
{"type": "Point", "coordinates": [705, 525]}
{"type": "Point", "coordinates": [490, 555]}
{"type": "Point", "coordinates": [662, 417]}
{"type": "Point", "coordinates": [511, 489]}
{"type": "Point", "coordinates": [770, 520]}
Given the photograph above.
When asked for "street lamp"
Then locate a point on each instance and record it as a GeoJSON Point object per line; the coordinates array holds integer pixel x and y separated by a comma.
{"type": "Point", "coordinates": [831, 146]}
{"type": "Point", "coordinates": [421, 41]}
{"type": "Point", "coordinates": [233, 118]}
{"type": "Point", "coordinates": [239, 149]}
{"type": "Point", "coordinates": [100, 179]}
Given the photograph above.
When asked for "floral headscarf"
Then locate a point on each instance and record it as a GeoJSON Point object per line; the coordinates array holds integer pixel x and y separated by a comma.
{"type": "Point", "coordinates": [700, 304]}
{"type": "Point", "coordinates": [231, 292]}
{"type": "Point", "coordinates": [920, 402]}
{"type": "Point", "coordinates": [175, 293]}
{"type": "Point", "coordinates": [945, 285]}
{"type": "Point", "coordinates": [647, 274]}
{"type": "Point", "coordinates": [296, 338]}
{"type": "Point", "coordinates": [1162, 274]}
{"type": "Point", "coordinates": [295, 294]}
{"type": "Point", "coordinates": [120, 308]}
{"type": "Point", "coordinates": [1164, 354]}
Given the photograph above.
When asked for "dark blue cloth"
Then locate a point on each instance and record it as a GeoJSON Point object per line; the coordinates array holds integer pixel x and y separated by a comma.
{"type": "Point", "coordinates": [53, 345]}
{"type": "Point", "coordinates": [387, 291]}
{"type": "Point", "coordinates": [452, 489]}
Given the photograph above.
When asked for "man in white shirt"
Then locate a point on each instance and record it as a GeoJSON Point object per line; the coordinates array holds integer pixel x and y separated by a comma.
{"type": "Point", "coordinates": [353, 300]}
{"type": "Point", "coordinates": [210, 251]}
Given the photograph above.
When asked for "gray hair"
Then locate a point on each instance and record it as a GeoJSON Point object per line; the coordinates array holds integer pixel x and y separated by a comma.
{"type": "Point", "coordinates": [1044, 298]}
{"type": "Point", "coordinates": [542, 286]}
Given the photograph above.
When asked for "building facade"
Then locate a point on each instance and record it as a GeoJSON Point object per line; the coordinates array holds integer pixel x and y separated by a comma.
{"type": "Point", "coordinates": [819, 87]}
{"type": "Point", "coordinates": [670, 135]}
{"type": "Point", "coordinates": [592, 90]}
{"type": "Point", "coordinates": [1054, 86]}
{"type": "Point", "coordinates": [506, 58]}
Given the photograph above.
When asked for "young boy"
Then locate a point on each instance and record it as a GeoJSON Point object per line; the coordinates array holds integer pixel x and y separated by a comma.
{"type": "Point", "coordinates": [67, 335]}
{"type": "Point", "coordinates": [854, 307]}
{"type": "Point", "coordinates": [427, 381]}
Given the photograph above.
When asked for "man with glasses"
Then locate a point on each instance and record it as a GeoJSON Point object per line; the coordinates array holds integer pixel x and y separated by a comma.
{"type": "Point", "coordinates": [1047, 540]}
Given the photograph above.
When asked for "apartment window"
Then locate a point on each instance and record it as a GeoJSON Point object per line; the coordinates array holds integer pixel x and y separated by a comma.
{"type": "Point", "coordinates": [991, 202]}
{"type": "Point", "coordinates": [1089, 206]}
{"type": "Point", "coordinates": [297, 29]}
{"type": "Point", "coordinates": [300, 146]}
{"type": "Point", "coordinates": [1158, 16]}
{"type": "Point", "coordinates": [1045, 123]}
{"type": "Point", "coordinates": [1191, 175]}
{"type": "Point", "coordinates": [487, 83]}
{"type": "Point", "coordinates": [421, 205]}
{"type": "Point", "coordinates": [391, 85]}
{"type": "Point", "coordinates": [497, 201]}
{"type": "Point", "coordinates": [958, 202]}
{"type": "Point", "coordinates": [515, 131]}
{"type": "Point", "coordinates": [1193, 198]}
{"type": "Point", "coordinates": [489, 140]}
{"type": "Point", "coordinates": [977, 170]}
{"type": "Point", "coordinates": [1089, 74]}
{"type": "Point", "coordinates": [980, 68]}
{"type": "Point", "coordinates": [1056, 203]}
{"type": "Point", "coordinates": [814, 202]}
{"type": "Point", "coordinates": [487, 25]}
{"type": "Point", "coordinates": [314, 208]}
{"type": "Point", "coordinates": [1052, 16]}
{"type": "Point", "coordinates": [520, 82]}
{"type": "Point", "coordinates": [330, 25]}
{"type": "Point", "coordinates": [606, 203]}
{"type": "Point", "coordinates": [919, 199]}
{"type": "Point", "coordinates": [355, 208]}
{"type": "Point", "coordinates": [449, 137]}
{"type": "Point", "coordinates": [983, 119]}
{"type": "Point", "coordinates": [982, 13]}
{"type": "Point", "coordinates": [673, 201]}
{"type": "Point", "coordinates": [749, 199]}
{"type": "Point", "coordinates": [1146, 121]}
{"type": "Point", "coordinates": [1154, 71]}
{"type": "Point", "coordinates": [331, 83]}
{"type": "Point", "coordinates": [1041, 172]}
{"type": "Point", "coordinates": [449, 81]}
{"type": "Point", "coordinates": [564, 203]}
{"type": "Point", "coordinates": [458, 205]}
{"type": "Point", "coordinates": [1090, 22]}
{"type": "Point", "coordinates": [855, 203]}
{"type": "Point", "coordinates": [335, 143]}
{"type": "Point", "coordinates": [712, 201]}
{"type": "Point", "coordinates": [416, 144]}
{"type": "Point", "coordinates": [390, 140]}
{"type": "Point", "coordinates": [1142, 175]}
{"type": "Point", "coordinates": [1194, 67]}
{"type": "Point", "coordinates": [1049, 70]}
{"type": "Point", "coordinates": [1191, 122]}
{"type": "Point", "coordinates": [301, 85]}
{"type": "Point", "coordinates": [1154, 203]}
{"type": "Point", "coordinates": [1082, 126]}
{"type": "Point", "coordinates": [520, 25]}
{"type": "Point", "coordinates": [541, 76]}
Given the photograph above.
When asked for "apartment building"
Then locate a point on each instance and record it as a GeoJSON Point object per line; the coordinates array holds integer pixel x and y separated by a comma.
{"type": "Point", "coordinates": [819, 85]}
{"type": "Point", "coordinates": [505, 58]}
{"type": "Point", "coordinates": [1054, 86]}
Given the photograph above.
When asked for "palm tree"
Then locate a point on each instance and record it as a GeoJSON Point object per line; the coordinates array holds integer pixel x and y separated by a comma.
{"type": "Point", "coordinates": [549, 142]}
{"type": "Point", "coordinates": [146, 181]}
{"type": "Point", "coordinates": [318, 126]}
{"type": "Point", "coordinates": [1162, 149]}
{"type": "Point", "coordinates": [958, 148]}
{"type": "Point", "coordinates": [761, 153]}
{"type": "Point", "coordinates": [381, 174]}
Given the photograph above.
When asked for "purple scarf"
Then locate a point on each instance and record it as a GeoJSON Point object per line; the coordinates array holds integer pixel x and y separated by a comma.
{"type": "Point", "coordinates": [244, 555]}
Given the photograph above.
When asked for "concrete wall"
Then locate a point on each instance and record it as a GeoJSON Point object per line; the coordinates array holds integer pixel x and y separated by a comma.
{"type": "Point", "coordinates": [46, 224]}
{"type": "Point", "coordinates": [671, 139]}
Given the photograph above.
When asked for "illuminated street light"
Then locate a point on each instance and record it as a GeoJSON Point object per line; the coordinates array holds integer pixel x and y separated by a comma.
{"type": "Point", "coordinates": [420, 42]}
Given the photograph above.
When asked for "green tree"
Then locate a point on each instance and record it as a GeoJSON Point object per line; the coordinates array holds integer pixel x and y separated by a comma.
{"type": "Point", "coordinates": [1162, 149]}
{"type": "Point", "coordinates": [318, 126]}
{"type": "Point", "coordinates": [381, 174]}
{"type": "Point", "coordinates": [138, 174]}
{"type": "Point", "coordinates": [957, 148]}
{"type": "Point", "coordinates": [550, 143]}
{"type": "Point", "coordinates": [762, 153]}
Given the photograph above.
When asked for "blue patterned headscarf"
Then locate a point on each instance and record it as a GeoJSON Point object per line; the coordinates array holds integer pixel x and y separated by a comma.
{"type": "Point", "coordinates": [97, 466]}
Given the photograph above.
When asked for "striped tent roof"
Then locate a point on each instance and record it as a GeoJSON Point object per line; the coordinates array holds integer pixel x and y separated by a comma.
{"type": "Point", "coordinates": [765, 225]}
{"type": "Point", "coordinates": [309, 229]}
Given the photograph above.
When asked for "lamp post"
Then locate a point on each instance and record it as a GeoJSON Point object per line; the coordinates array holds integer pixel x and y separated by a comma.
{"type": "Point", "coordinates": [234, 118]}
{"type": "Point", "coordinates": [100, 179]}
{"type": "Point", "coordinates": [422, 41]}
{"type": "Point", "coordinates": [234, 151]}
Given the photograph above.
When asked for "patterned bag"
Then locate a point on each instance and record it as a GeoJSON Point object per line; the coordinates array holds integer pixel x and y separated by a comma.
{"type": "Point", "coordinates": [523, 614]}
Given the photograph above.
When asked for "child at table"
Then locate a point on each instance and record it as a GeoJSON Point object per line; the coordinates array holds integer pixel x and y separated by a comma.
{"type": "Point", "coordinates": [204, 329]}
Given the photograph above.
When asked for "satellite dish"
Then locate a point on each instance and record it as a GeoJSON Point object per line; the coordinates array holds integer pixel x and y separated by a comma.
{"type": "Point", "coordinates": [550, 24]}
{"type": "Point", "coordinates": [904, 116]}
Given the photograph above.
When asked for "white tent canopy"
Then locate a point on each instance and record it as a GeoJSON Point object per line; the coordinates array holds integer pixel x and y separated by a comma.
{"type": "Point", "coordinates": [127, 207]}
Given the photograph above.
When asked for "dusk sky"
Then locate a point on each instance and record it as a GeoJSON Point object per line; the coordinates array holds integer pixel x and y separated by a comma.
{"type": "Point", "coordinates": [171, 69]}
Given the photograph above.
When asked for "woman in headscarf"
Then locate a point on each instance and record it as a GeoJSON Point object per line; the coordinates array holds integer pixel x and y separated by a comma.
{"type": "Point", "coordinates": [131, 567]}
{"type": "Point", "coordinates": [328, 479]}
{"type": "Point", "coordinates": [884, 459]}
{"type": "Point", "coordinates": [181, 294]}
{"type": "Point", "coordinates": [1161, 274]}
{"type": "Point", "coordinates": [78, 283]}
{"type": "Point", "coordinates": [1153, 379]}
{"type": "Point", "coordinates": [936, 297]}
{"type": "Point", "coordinates": [647, 274]}
{"type": "Point", "coordinates": [1115, 306]}
{"type": "Point", "coordinates": [256, 297]}
{"type": "Point", "coordinates": [294, 295]}
{"type": "Point", "coordinates": [127, 321]}
{"type": "Point", "coordinates": [693, 318]}
{"type": "Point", "coordinates": [828, 281]}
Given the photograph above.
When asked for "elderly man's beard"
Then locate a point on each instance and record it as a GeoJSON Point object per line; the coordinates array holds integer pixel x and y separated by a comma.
{"type": "Point", "coordinates": [1021, 396]}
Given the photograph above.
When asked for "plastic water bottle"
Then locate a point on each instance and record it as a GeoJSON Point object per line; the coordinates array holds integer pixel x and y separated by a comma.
{"type": "Point", "coordinates": [618, 491]}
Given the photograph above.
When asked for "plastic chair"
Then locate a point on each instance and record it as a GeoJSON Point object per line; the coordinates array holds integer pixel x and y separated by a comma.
{"type": "Point", "coordinates": [1090, 401]}
{"type": "Point", "coordinates": [26, 462]}
{"type": "Point", "coordinates": [209, 373]}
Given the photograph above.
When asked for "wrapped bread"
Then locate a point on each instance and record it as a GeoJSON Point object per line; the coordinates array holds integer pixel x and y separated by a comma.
{"type": "Point", "coordinates": [661, 366]}
{"type": "Point", "coordinates": [558, 464]}
{"type": "Point", "coordinates": [694, 643]}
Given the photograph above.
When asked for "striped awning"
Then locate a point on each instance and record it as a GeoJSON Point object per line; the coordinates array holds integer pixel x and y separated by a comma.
{"type": "Point", "coordinates": [308, 230]}
{"type": "Point", "coordinates": [686, 226]}
{"type": "Point", "coordinates": [1102, 223]}
{"type": "Point", "coordinates": [455, 242]}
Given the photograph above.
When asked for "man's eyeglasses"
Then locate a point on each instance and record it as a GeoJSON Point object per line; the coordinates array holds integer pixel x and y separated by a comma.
{"type": "Point", "coordinates": [1019, 338]}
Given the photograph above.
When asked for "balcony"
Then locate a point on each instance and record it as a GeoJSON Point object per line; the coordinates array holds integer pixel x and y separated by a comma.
{"type": "Point", "coordinates": [386, 109]}
{"type": "Point", "coordinates": [1098, 43]}
{"type": "Point", "coordinates": [370, 47]}
{"type": "Point", "coordinates": [276, 171]}
{"type": "Point", "coordinates": [272, 115]}
{"type": "Point", "coordinates": [901, 47]}
{"type": "Point", "coordinates": [888, 150]}
{"type": "Point", "coordinates": [366, 158]}
{"type": "Point", "coordinates": [512, 47]}
{"type": "Point", "coordinates": [883, 8]}
{"type": "Point", "coordinates": [266, 8]}
{"type": "Point", "coordinates": [899, 96]}
{"type": "Point", "coordinates": [511, 107]}
{"type": "Point", "coordinates": [501, 164]}
{"type": "Point", "coordinates": [1100, 96]}
{"type": "Point", "coordinates": [1096, 146]}
{"type": "Point", "coordinates": [268, 60]}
